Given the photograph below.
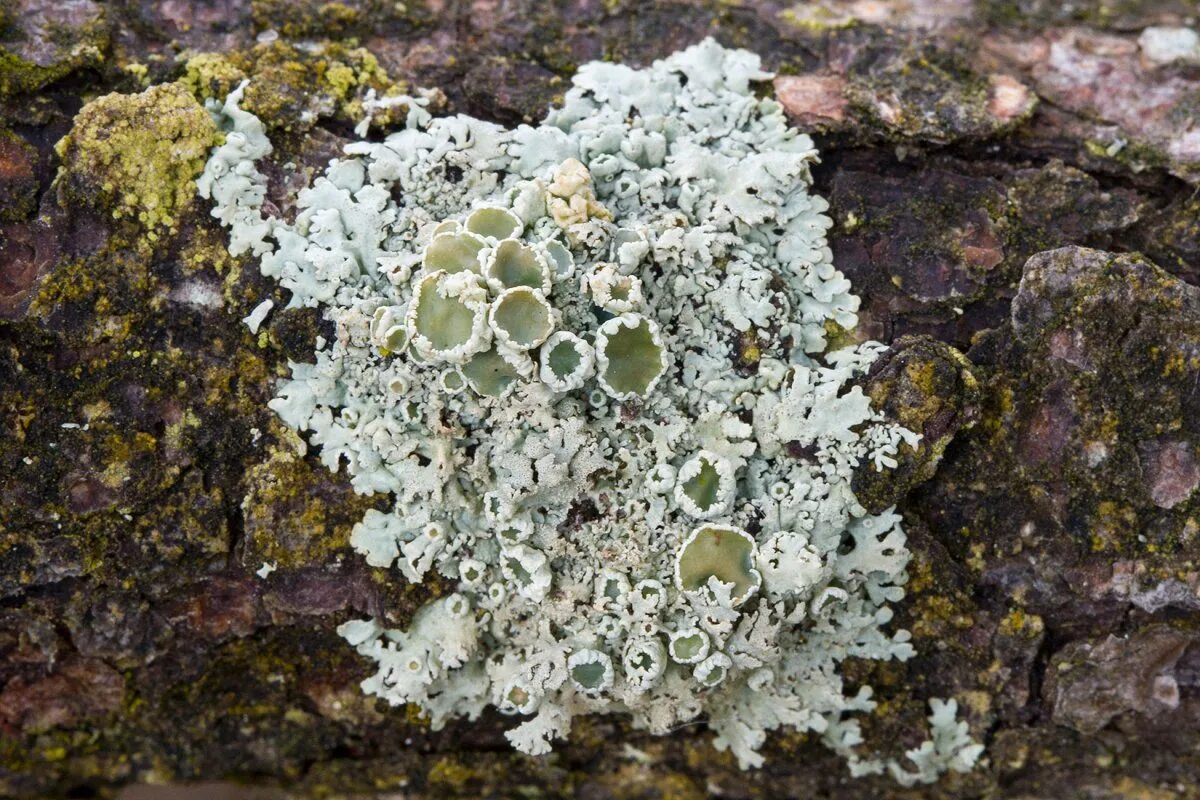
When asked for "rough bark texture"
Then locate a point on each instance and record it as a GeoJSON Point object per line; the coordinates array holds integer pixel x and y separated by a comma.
{"type": "Point", "coordinates": [994, 169]}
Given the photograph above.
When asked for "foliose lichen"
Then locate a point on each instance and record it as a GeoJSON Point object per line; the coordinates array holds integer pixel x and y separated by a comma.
{"type": "Point", "coordinates": [536, 332]}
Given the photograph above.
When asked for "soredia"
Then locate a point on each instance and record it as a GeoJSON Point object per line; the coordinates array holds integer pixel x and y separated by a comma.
{"type": "Point", "coordinates": [585, 359]}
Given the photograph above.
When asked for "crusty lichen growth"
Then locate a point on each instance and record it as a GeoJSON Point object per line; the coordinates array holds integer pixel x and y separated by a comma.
{"type": "Point", "coordinates": [1088, 405]}
{"type": "Point", "coordinates": [294, 516]}
{"type": "Point", "coordinates": [138, 154]}
{"type": "Point", "coordinates": [928, 387]}
{"type": "Point", "coordinates": [294, 86]}
{"type": "Point", "coordinates": [211, 75]}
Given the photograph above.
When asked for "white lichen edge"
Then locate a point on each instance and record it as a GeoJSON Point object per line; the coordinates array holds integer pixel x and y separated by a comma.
{"type": "Point", "coordinates": [609, 331]}
{"type": "Point", "coordinates": [552, 507]}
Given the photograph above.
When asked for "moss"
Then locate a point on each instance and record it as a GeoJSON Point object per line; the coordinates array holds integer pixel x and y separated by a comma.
{"type": "Point", "coordinates": [139, 155]}
{"type": "Point", "coordinates": [295, 516]}
{"type": "Point", "coordinates": [1020, 623]}
{"type": "Point", "coordinates": [837, 337]}
{"type": "Point", "coordinates": [17, 76]}
{"type": "Point", "coordinates": [277, 685]}
{"type": "Point", "coordinates": [1112, 526]}
{"type": "Point", "coordinates": [204, 253]}
{"type": "Point", "coordinates": [636, 780]}
{"type": "Point", "coordinates": [939, 617]}
{"type": "Point", "coordinates": [747, 352]}
{"type": "Point", "coordinates": [1118, 15]}
{"type": "Point", "coordinates": [73, 758]}
{"type": "Point", "coordinates": [138, 72]}
{"type": "Point", "coordinates": [921, 578]}
{"type": "Point", "coordinates": [1102, 374]}
{"type": "Point", "coordinates": [77, 289]}
{"type": "Point", "coordinates": [116, 317]}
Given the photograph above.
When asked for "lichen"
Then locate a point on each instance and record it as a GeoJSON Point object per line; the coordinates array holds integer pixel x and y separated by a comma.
{"type": "Point", "coordinates": [295, 86]}
{"type": "Point", "coordinates": [209, 76]}
{"type": "Point", "coordinates": [531, 358]}
{"type": "Point", "coordinates": [138, 154]}
{"type": "Point", "coordinates": [720, 554]}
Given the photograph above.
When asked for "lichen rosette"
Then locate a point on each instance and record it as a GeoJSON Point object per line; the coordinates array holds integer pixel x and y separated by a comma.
{"type": "Point", "coordinates": [535, 356]}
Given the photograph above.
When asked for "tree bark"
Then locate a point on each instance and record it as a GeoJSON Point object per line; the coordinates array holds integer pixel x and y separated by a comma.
{"type": "Point", "coordinates": [1014, 193]}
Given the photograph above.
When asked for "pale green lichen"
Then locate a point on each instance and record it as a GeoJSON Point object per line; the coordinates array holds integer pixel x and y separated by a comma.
{"type": "Point", "coordinates": [719, 553]}
{"type": "Point", "coordinates": [490, 374]}
{"type": "Point", "coordinates": [566, 362]}
{"type": "Point", "coordinates": [689, 645]}
{"type": "Point", "coordinates": [448, 317]}
{"type": "Point", "coordinates": [630, 356]}
{"type": "Point", "coordinates": [515, 264]}
{"type": "Point", "coordinates": [533, 358]}
{"type": "Point", "coordinates": [453, 252]}
{"type": "Point", "coordinates": [705, 485]}
{"type": "Point", "coordinates": [521, 318]}
{"type": "Point", "coordinates": [494, 223]}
